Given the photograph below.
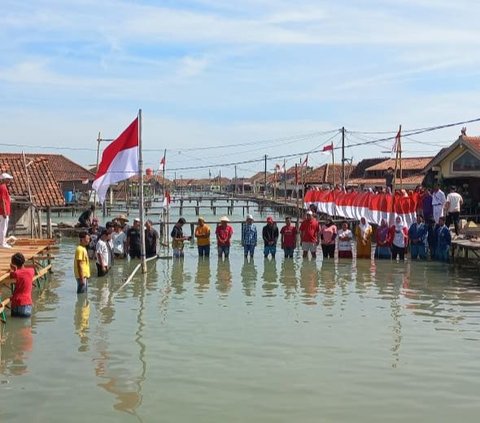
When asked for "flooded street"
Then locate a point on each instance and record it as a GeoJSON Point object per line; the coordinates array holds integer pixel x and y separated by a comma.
{"type": "Point", "coordinates": [262, 341]}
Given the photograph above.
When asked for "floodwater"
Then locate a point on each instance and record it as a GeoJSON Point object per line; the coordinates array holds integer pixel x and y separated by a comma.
{"type": "Point", "coordinates": [235, 341]}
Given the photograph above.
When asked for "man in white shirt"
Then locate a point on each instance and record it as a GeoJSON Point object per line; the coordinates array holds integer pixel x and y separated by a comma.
{"type": "Point", "coordinates": [438, 202]}
{"type": "Point", "coordinates": [103, 254]}
{"type": "Point", "coordinates": [452, 208]}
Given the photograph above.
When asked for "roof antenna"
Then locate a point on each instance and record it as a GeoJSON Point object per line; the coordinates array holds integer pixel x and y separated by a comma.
{"type": "Point", "coordinates": [464, 131]}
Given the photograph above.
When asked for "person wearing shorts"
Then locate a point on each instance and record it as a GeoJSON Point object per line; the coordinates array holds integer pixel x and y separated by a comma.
{"type": "Point", "coordinates": [309, 235]}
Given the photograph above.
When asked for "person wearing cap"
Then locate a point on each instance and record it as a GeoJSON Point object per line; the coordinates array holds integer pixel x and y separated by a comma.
{"type": "Point", "coordinates": [309, 235]}
{"type": "Point", "coordinates": [85, 219]}
{"type": "Point", "coordinates": [118, 238]}
{"type": "Point", "coordinates": [202, 234]}
{"type": "Point", "coordinates": [178, 239]}
{"type": "Point", "coordinates": [151, 239]}
{"type": "Point", "coordinates": [133, 243]}
{"type": "Point", "coordinates": [122, 220]}
{"type": "Point", "coordinates": [224, 234]}
{"type": "Point", "coordinates": [5, 204]}
{"type": "Point", "coordinates": [249, 237]}
{"type": "Point", "coordinates": [452, 208]}
{"type": "Point", "coordinates": [103, 254]}
{"type": "Point", "coordinates": [270, 237]}
{"type": "Point", "coordinates": [288, 235]}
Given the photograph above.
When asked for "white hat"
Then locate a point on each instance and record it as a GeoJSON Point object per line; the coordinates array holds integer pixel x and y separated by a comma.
{"type": "Point", "coordinates": [136, 219]}
{"type": "Point", "coordinates": [310, 213]}
{"type": "Point", "coordinates": [249, 216]}
{"type": "Point", "coordinates": [6, 176]}
{"type": "Point", "coordinates": [224, 219]}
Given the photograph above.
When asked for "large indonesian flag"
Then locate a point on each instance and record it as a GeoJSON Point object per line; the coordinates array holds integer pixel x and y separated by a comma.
{"type": "Point", "coordinates": [119, 161]}
{"type": "Point", "coordinates": [354, 205]}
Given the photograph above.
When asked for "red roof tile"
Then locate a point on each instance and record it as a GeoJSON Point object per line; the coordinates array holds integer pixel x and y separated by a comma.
{"type": "Point", "coordinates": [36, 180]}
{"type": "Point", "coordinates": [408, 163]}
{"type": "Point", "coordinates": [327, 172]}
{"type": "Point", "coordinates": [64, 169]}
{"type": "Point", "coordinates": [473, 141]}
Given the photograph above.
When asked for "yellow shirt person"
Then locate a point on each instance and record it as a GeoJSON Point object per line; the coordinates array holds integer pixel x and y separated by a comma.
{"type": "Point", "coordinates": [82, 263]}
{"type": "Point", "coordinates": [202, 233]}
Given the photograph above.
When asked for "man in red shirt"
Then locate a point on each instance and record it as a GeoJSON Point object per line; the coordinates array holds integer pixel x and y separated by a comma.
{"type": "Point", "coordinates": [309, 236]}
{"type": "Point", "coordinates": [21, 301]}
{"type": "Point", "coordinates": [5, 179]}
{"type": "Point", "coordinates": [224, 234]}
{"type": "Point", "coordinates": [289, 235]}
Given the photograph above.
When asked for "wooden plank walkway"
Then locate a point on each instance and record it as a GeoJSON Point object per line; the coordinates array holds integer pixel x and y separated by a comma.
{"type": "Point", "coordinates": [34, 250]}
{"type": "Point", "coordinates": [462, 247]}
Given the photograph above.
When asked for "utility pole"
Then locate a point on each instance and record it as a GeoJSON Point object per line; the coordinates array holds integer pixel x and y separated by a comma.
{"type": "Point", "coordinates": [235, 179]}
{"type": "Point", "coordinates": [265, 178]}
{"type": "Point", "coordinates": [343, 157]}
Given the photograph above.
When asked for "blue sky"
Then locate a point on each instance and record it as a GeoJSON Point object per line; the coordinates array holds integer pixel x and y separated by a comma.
{"type": "Point", "coordinates": [270, 75]}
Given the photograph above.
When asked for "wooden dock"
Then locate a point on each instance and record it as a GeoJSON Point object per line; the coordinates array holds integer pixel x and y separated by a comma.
{"type": "Point", "coordinates": [37, 252]}
{"type": "Point", "coordinates": [466, 251]}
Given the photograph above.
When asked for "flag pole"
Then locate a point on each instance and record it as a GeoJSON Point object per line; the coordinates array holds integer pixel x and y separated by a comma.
{"type": "Point", "coordinates": [140, 208]}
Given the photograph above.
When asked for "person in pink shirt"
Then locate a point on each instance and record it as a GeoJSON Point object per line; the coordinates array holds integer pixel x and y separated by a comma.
{"type": "Point", "coordinates": [328, 235]}
{"type": "Point", "coordinates": [224, 234]}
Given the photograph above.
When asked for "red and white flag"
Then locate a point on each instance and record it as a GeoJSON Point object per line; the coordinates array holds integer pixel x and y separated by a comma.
{"type": "Point", "coordinates": [327, 148]}
{"type": "Point", "coordinates": [162, 163]}
{"type": "Point", "coordinates": [119, 161]}
{"type": "Point", "coordinates": [167, 199]}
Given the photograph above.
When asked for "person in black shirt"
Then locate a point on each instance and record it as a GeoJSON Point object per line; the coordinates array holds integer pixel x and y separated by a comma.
{"type": "Point", "coordinates": [133, 240]}
{"type": "Point", "coordinates": [270, 237]}
{"type": "Point", "coordinates": [389, 178]}
{"type": "Point", "coordinates": [151, 240]}
{"type": "Point", "coordinates": [85, 219]}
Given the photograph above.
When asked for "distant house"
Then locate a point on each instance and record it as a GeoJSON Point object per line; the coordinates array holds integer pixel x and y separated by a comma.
{"type": "Point", "coordinates": [459, 165]}
{"type": "Point", "coordinates": [70, 176]}
{"type": "Point", "coordinates": [410, 176]}
{"type": "Point", "coordinates": [328, 174]}
{"type": "Point", "coordinates": [33, 191]}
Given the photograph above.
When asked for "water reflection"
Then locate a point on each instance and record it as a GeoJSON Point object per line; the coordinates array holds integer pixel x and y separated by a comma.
{"type": "Point", "coordinates": [16, 342]}
{"type": "Point", "coordinates": [81, 321]}
{"type": "Point", "coordinates": [249, 276]}
{"type": "Point", "coordinates": [309, 281]}
{"type": "Point", "coordinates": [178, 277]}
{"type": "Point", "coordinates": [202, 277]}
{"type": "Point", "coordinates": [288, 278]}
{"type": "Point", "coordinates": [224, 277]}
{"type": "Point", "coordinates": [269, 277]}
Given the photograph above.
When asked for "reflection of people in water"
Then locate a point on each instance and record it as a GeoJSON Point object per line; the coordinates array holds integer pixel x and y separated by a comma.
{"type": "Point", "coordinates": [309, 278]}
{"type": "Point", "coordinates": [269, 276]}
{"type": "Point", "coordinates": [81, 321]}
{"type": "Point", "coordinates": [202, 277]}
{"type": "Point", "coordinates": [249, 277]}
{"type": "Point", "coordinates": [224, 276]}
{"type": "Point", "coordinates": [178, 276]}
{"type": "Point", "coordinates": [288, 277]}
{"type": "Point", "coordinates": [15, 345]}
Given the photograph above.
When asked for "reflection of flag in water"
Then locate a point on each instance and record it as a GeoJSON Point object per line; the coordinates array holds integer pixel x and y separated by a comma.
{"type": "Point", "coordinates": [167, 199]}
{"type": "Point", "coordinates": [119, 161]}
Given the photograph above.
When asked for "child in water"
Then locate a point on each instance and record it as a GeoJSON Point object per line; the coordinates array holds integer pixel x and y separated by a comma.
{"type": "Point", "coordinates": [21, 301]}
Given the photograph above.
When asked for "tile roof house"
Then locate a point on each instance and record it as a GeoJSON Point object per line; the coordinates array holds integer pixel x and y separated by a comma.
{"type": "Point", "coordinates": [412, 175]}
{"type": "Point", "coordinates": [328, 174]}
{"type": "Point", "coordinates": [32, 189]}
{"type": "Point", "coordinates": [459, 165]}
{"type": "Point", "coordinates": [69, 175]}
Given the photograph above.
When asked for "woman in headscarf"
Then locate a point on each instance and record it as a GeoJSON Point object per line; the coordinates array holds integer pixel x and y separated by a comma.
{"type": "Point", "coordinates": [384, 241]}
{"type": "Point", "coordinates": [399, 236]}
{"type": "Point", "coordinates": [363, 233]}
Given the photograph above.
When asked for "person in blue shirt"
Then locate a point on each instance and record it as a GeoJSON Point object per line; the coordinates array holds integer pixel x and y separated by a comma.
{"type": "Point", "coordinates": [443, 240]}
{"type": "Point", "coordinates": [418, 234]}
{"type": "Point", "coordinates": [249, 237]}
